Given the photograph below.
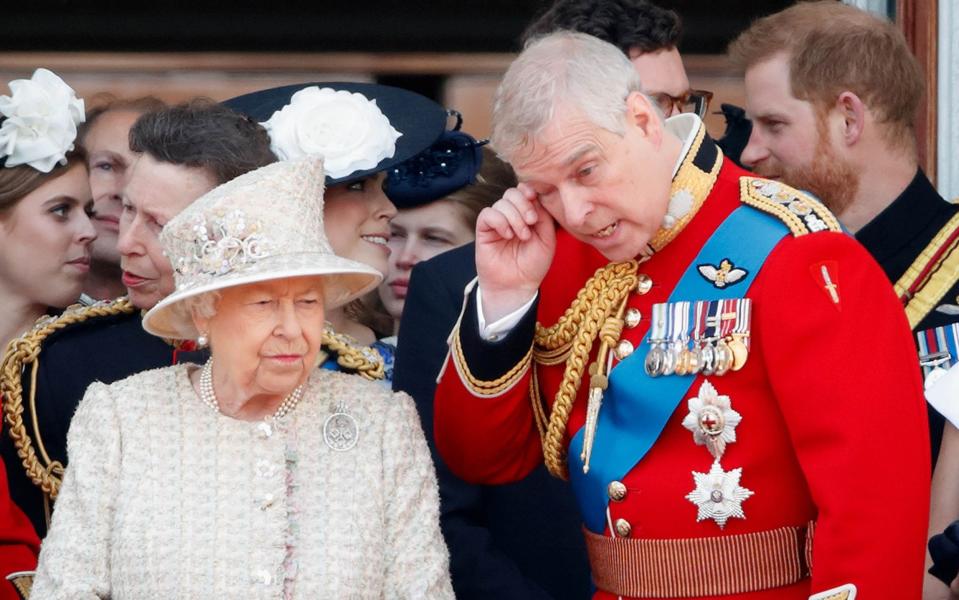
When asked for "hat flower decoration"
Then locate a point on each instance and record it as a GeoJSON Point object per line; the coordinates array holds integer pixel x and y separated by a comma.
{"type": "Point", "coordinates": [40, 120]}
{"type": "Point", "coordinates": [347, 129]}
{"type": "Point", "coordinates": [221, 244]}
{"type": "Point", "coordinates": [264, 225]}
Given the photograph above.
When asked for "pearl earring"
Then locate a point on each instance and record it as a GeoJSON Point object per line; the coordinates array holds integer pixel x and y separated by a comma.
{"type": "Point", "coordinates": [202, 340]}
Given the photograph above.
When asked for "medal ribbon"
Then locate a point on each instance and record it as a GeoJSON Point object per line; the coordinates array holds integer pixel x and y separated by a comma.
{"type": "Point", "coordinates": [636, 407]}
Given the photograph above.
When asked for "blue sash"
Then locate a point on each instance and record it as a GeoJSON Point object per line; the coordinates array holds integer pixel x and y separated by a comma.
{"type": "Point", "coordinates": [636, 407]}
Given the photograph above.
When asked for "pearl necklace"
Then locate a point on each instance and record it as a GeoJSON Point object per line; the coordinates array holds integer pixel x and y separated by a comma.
{"type": "Point", "coordinates": [208, 396]}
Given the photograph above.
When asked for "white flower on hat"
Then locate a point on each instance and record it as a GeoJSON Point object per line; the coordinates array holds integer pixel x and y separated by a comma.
{"type": "Point", "coordinates": [41, 115]}
{"type": "Point", "coordinates": [348, 130]}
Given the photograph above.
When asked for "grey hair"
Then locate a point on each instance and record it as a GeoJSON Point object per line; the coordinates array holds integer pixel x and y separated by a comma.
{"type": "Point", "coordinates": [203, 305]}
{"type": "Point", "coordinates": [567, 68]}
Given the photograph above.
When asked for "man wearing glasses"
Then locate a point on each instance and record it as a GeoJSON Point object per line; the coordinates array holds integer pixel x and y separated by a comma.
{"type": "Point", "coordinates": [647, 34]}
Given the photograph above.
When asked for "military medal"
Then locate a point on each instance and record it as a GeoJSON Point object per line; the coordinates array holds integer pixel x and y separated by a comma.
{"type": "Point", "coordinates": [718, 495]}
{"type": "Point", "coordinates": [738, 339]}
{"type": "Point", "coordinates": [679, 337]}
{"type": "Point", "coordinates": [935, 356]}
{"type": "Point", "coordinates": [655, 358]}
{"type": "Point", "coordinates": [712, 421]}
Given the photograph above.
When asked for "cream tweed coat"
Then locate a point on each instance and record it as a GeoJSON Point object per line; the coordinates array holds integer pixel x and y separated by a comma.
{"type": "Point", "coordinates": [165, 498]}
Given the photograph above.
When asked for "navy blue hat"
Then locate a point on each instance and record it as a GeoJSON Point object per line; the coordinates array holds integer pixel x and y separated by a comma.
{"type": "Point", "coordinates": [418, 120]}
{"type": "Point", "coordinates": [450, 164]}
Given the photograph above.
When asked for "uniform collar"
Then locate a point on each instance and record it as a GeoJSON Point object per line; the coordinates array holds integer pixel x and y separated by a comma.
{"type": "Point", "coordinates": [693, 176]}
{"type": "Point", "coordinates": [913, 212]}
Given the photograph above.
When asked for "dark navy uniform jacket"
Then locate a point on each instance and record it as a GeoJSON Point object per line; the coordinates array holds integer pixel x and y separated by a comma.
{"type": "Point", "coordinates": [896, 237]}
{"type": "Point", "coordinates": [515, 541]}
{"type": "Point", "coordinates": [104, 349]}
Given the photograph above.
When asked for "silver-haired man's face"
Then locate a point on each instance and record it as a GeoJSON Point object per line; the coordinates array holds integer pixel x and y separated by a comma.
{"type": "Point", "coordinates": [607, 190]}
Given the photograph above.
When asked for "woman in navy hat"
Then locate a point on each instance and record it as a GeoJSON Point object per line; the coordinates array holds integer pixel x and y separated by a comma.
{"type": "Point", "coordinates": [364, 132]}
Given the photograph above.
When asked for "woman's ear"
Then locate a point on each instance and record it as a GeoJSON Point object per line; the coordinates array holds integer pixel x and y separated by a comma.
{"type": "Point", "coordinates": [201, 323]}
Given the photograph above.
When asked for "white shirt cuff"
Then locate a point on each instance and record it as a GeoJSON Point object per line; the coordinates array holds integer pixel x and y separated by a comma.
{"type": "Point", "coordinates": [502, 326]}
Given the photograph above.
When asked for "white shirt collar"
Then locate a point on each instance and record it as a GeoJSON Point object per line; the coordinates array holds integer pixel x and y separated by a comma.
{"type": "Point", "coordinates": [684, 126]}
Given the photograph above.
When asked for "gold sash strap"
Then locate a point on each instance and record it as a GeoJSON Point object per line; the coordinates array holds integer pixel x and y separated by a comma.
{"type": "Point", "coordinates": [694, 567]}
{"type": "Point", "coordinates": [932, 274]}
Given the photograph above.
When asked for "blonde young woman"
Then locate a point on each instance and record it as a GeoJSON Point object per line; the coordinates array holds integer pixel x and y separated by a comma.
{"type": "Point", "coordinates": [45, 236]}
{"type": "Point", "coordinates": [256, 475]}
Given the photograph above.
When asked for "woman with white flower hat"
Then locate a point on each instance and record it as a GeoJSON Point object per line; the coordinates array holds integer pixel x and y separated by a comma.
{"type": "Point", "coordinates": [364, 132]}
{"type": "Point", "coordinates": [45, 236]}
{"type": "Point", "coordinates": [256, 475]}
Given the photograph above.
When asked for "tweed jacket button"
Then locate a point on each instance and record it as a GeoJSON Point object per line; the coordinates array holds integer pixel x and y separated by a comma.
{"type": "Point", "coordinates": [262, 577]}
{"type": "Point", "coordinates": [616, 491]}
{"type": "Point", "coordinates": [264, 430]}
{"type": "Point", "coordinates": [623, 528]}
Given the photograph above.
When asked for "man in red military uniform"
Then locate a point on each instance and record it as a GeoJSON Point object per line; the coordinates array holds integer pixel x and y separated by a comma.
{"type": "Point", "coordinates": [730, 397]}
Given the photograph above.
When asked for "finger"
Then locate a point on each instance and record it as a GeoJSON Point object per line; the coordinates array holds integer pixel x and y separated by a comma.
{"type": "Point", "coordinates": [492, 225]}
{"type": "Point", "coordinates": [513, 214]}
{"type": "Point", "coordinates": [529, 215]}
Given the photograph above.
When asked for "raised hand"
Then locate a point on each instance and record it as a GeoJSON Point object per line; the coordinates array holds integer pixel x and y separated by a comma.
{"type": "Point", "coordinates": [515, 242]}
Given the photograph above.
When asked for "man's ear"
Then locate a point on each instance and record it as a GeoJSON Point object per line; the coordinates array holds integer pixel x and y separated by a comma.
{"type": "Point", "coordinates": [852, 111]}
{"type": "Point", "coordinates": [641, 114]}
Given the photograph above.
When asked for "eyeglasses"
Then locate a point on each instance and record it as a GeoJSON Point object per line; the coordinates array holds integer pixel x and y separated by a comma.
{"type": "Point", "coordinates": [693, 101]}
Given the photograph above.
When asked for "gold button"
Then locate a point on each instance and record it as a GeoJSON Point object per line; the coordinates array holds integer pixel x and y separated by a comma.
{"type": "Point", "coordinates": [633, 317]}
{"type": "Point", "coordinates": [616, 491]}
{"type": "Point", "coordinates": [643, 284]}
{"type": "Point", "coordinates": [623, 527]}
{"type": "Point", "coordinates": [623, 349]}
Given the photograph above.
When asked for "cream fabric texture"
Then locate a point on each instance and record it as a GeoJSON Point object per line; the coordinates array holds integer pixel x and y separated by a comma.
{"type": "Point", "coordinates": [164, 498]}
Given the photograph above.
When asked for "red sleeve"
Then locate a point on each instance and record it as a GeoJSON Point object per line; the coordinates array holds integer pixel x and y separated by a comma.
{"type": "Point", "coordinates": [19, 544]}
{"type": "Point", "coordinates": [843, 368]}
{"type": "Point", "coordinates": [487, 438]}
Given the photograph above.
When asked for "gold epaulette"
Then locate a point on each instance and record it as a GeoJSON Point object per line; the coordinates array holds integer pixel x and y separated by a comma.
{"type": "Point", "coordinates": [800, 212]}
{"type": "Point", "coordinates": [22, 353]}
{"type": "Point", "coordinates": [353, 356]}
{"type": "Point", "coordinates": [932, 274]}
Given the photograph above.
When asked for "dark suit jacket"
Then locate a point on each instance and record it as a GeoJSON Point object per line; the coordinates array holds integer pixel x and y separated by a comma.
{"type": "Point", "coordinates": [520, 540]}
{"type": "Point", "coordinates": [104, 349]}
{"type": "Point", "coordinates": [895, 238]}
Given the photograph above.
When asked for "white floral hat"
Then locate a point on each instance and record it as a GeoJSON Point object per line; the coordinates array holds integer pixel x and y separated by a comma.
{"type": "Point", "coordinates": [39, 121]}
{"type": "Point", "coordinates": [264, 225]}
{"type": "Point", "coordinates": [359, 128]}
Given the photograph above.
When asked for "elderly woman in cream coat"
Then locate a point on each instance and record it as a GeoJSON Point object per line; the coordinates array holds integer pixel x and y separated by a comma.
{"type": "Point", "coordinates": [257, 475]}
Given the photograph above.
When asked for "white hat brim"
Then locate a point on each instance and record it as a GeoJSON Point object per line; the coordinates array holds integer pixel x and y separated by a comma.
{"type": "Point", "coordinates": [344, 280]}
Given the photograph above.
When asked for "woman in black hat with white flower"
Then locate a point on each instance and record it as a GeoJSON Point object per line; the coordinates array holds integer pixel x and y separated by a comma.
{"type": "Point", "coordinates": [256, 475]}
{"type": "Point", "coordinates": [365, 133]}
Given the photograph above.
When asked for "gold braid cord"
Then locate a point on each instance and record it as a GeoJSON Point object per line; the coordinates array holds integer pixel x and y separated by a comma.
{"type": "Point", "coordinates": [593, 314]}
{"type": "Point", "coordinates": [367, 362]}
{"type": "Point", "coordinates": [44, 472]}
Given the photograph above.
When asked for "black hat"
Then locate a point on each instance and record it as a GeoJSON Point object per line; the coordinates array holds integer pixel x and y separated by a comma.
{"type": "Point", "coordinates": [417, 119]}
{"type": "Point", "coordinates": [451, 163]}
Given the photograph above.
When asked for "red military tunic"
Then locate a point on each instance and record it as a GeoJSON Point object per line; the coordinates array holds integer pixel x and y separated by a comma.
{"type": "Point", "coordinates": [19, 545]}
{"type": "Point", "coordinates": [833, 420]}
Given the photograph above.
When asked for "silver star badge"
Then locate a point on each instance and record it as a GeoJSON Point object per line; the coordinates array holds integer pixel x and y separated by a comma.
{"type": "Point", "coordinates": [719, 495]}
{"type": "Point", "coordinates": [712, 420]}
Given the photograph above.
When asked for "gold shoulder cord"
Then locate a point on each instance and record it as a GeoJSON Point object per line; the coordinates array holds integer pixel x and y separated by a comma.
{"type": "Point", "coordinates": [350, 355]}
{"type": "Point", "coordinates": [596, 311]}
{"type": "Point", "coordinates": [47, 474]}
